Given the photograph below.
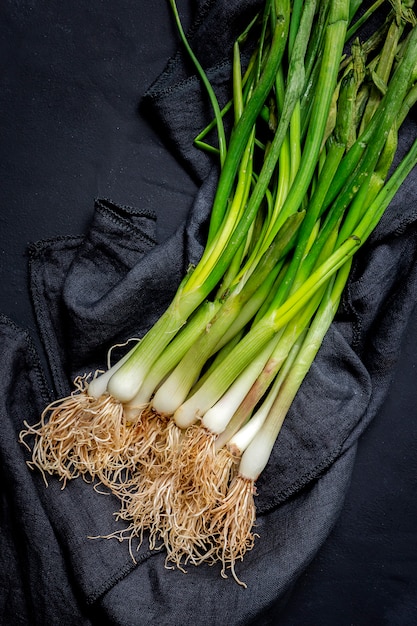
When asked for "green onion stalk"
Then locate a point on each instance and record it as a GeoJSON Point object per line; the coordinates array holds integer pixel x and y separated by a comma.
{"type": "Point", "coordinates": [183, 425]}
{"type": "Point", "coordinates": [79, 434]}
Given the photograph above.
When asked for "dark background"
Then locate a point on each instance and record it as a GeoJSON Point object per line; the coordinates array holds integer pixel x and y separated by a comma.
{"type": "Point", "coordinates": [72, 78]}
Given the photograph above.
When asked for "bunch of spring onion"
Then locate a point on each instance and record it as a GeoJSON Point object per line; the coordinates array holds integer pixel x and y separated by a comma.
{"type": "Point", "coordinates": [182, 426]}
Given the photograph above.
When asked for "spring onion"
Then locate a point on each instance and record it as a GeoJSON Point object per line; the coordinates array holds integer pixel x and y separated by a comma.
{"type": "Point", "coordinates": [183, 425]}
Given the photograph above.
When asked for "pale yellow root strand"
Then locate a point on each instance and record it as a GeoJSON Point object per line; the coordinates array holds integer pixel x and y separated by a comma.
{"type": "Point", "coordinates": [141, 438]}
{"type": "Point", "coordinates": [232, 523]}
{"type": "Point", "coordinates": [146, 498]}
{"type": "Point", "coordinates": [144, 488]}
{"type": "Point", "coordinates": [80, 435]}
{"type": "Point", "coordinates": [154, 438]}
{"type": "Point", "coordinates": [185, 535]}
{"type": "Point", "coordinates": [55, 434]}
{"type": "Point", "coordinates": [203, 477]}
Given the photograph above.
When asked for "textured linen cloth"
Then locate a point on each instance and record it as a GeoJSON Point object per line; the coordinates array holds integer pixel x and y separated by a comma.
{"type": "Point", "coordinates": [92, 291]}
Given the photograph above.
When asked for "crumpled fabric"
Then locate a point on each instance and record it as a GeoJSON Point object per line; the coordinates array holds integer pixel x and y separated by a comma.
{"type": "Point", "coordinates": [93, 291]}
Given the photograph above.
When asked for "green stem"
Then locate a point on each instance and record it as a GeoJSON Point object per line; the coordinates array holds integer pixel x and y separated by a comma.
{"type": "Point", "coordinates": [387, 193]}
{"type": "Point", "coordinates": [206, 83]}
{"type": "Point", "coordinates": [177, 386]}
{"type": "Point", "coordinates": [329, 68]}
{"type": "Point", "coordinates": [328, 171]}
{"type": "Point", "coordinates": [175, 351]}
{"type": "Point", "coordinates": [257, 454]}
{"type": "Point", "coordinates": [243, 128]}
{"type": "Point", "coordinates": [382, 72]}
{"type": "Point", "coordinates": [361, 21]}
{"type": "Point", "coordinates": [291, 335]}
{"type": "Point", "coordinates": [294, 87]}
{"type": "Point", "coordinates": [127, 380]}
{"type": "Point", "coordinates": [262, 332]}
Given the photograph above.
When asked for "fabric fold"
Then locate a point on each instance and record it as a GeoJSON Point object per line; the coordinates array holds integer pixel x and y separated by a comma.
{"type": "Point", "coordinates": [38, 585]}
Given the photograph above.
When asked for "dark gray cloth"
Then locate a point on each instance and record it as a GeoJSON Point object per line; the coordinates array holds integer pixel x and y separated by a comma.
{"type": "Point", "coordinates": [111, 283]}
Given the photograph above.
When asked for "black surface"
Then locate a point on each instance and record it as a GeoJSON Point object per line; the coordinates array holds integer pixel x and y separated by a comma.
{"type": "Point", "coordinates": [366, 572]}
{"type": "Point", "coordinates": [72, 78]}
